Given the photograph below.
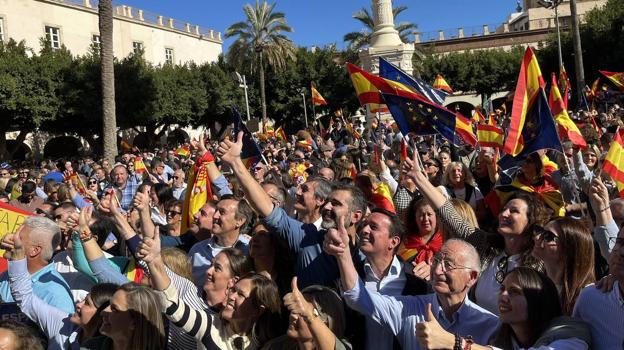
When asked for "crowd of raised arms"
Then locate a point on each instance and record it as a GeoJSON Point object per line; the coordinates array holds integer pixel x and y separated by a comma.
{"type": "Point", "coordinates": [333, 240]}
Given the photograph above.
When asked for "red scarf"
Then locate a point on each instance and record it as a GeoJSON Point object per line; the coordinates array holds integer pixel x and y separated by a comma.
{"type": "Point", "coordinates": [415, 249]}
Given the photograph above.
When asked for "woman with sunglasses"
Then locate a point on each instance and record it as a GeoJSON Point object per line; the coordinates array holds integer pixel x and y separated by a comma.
{"type": "Point", "coordinates": [247, 321]}
{"type": "Point", "coordinates": [567, 249]}
{"type": "Point", "coordinates": [530, 317]}
{"type": "Point", "coordinates": [500, 252]}
{"type": "Point", "coordinates": [173, 209]}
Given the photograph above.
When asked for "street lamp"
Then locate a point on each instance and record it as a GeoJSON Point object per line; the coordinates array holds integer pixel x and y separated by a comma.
{"type": "Point", "coordinates": [554, 4]}
{"type": "Point", "coordinates": [242, 82]}
{"type": "Point", "coordinates": [302, 92]}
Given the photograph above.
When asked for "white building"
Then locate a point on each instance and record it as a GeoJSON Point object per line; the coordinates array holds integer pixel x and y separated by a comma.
{"type": "Point", "coordinates": [74, 23]}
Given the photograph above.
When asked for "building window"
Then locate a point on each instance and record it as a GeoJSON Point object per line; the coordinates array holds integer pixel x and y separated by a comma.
{"type": "Point", "coordinates": [95, 40]}
{"type": "Point", "coordinates": [53, 34]}
{"type": "Point", "coordinates": [137, 47]}
{"type": "Point", "coordinates": [1, 29]}
{"type": "Point", "coordinates": [168, 55]}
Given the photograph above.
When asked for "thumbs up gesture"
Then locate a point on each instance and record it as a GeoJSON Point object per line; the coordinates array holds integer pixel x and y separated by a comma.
{"type": "Point", "coordinates": [431, 335]}
{"type": "Point", "coordinates": [12, 244]}
{"type": "Point", "coordinates": [149, 248]}
{"type": "Point", "coordinates": [296, 303]}
{"type": "Point", "coordinates": [141, 199]}
{"type": "Point", "coordinates": [229, 151]}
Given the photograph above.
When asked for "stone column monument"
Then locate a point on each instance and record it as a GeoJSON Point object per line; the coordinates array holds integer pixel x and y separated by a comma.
{"type": "Point", "coordinates": [385, 41]}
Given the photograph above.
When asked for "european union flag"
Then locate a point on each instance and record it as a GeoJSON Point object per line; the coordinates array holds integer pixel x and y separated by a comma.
{"type": "Point", "coordinates": [539, 132]}
{"type": "Point", "coordinates": [251, 153]}
{"type": "Point", "coordinates": [389, 71]}
{"type": "Point", "coordinates": [421, 117]}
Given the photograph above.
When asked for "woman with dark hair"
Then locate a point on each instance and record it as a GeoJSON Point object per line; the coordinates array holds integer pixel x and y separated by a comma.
{"type": "Point", "coordinates": [424, 234]}
{"type": "Point", "coordinates": [64, 331]}
{"type": "Point", "coordinates": [247, 321]}
{"type": "Point", "coordinates": [173, 209]}
{"type": "Point", "coordinates": [15, 335]}
{"type": "Point", "coordinates": [160, 195]}
{"type": "Point", "coordinates": [530, 317]}
{"type": "Point", "coordinates": [271, 258]}
{"type": "Point", "coordinates": [500, 252]}
{"type": "Point", "coordinates": [316, 321]}
{"type": "Point", "coordinates": [567, 249]}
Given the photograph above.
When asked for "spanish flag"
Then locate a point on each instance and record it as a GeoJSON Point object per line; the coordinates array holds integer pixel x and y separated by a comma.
{"type": "Point", "coordinates": [441, 84]}
{"type": "Point", "coordinates": [567, 128]}
{"type": "Point", "coordinates": [317, 99]}
{"type": "Point", "coordinates": [139, 166]}
{"type": "Point", "coordinates": [183, 151]}
{"type": "Point", "coordinates": [368, 87]}
{"type": "Point", "coordinates": [463, 128]}
{"type": "Point", "coordinates": [616, 78]}
{"type": "Point", "coordinates": [403, 150]}
{"type": "Point", "coordinates": [280, 134]}
{"type": "Point", "coordinates": [564, 83]}
{"type": "Point", "coordinates": [125, 145]}
{"type": "Point", "coordinates": [614, 161]}
{"type": "Point", "coordinates": [477, 116]}
{"type": "Point", "coordinates": [382, 198]}
{"type": "Point", "coordinates": [490, 136]}
{"type": "Point", "coordinates": [198, 190]}
{"type": "Point", "coordinates": [532, 127]}
{"type": "Point", "coordinates": [594, 88]}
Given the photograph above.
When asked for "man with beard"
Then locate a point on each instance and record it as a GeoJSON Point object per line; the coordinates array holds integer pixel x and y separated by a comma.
{"type": "Point", "coordinates": [229, 225]}
{"type": "Point", "coordinates": [304, 236]}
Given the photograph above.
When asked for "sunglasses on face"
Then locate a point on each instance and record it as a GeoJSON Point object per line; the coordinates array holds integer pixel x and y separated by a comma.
{"type": "Point", "coordinates": [92, 182]}
{"type": "Point", "coordinates": [173, 213]}
{"type": "Point", "coordinates": [430, 165]}
{"type": "Point", "coordinates": [547, 236]}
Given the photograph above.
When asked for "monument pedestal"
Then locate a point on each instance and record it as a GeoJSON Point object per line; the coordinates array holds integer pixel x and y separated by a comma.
{"type": "Point", "coordinates": [399, 55]}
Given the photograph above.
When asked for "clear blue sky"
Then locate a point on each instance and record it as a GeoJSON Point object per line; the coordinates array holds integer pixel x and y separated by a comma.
{"type": "Point", "coordinates": [323, 22]}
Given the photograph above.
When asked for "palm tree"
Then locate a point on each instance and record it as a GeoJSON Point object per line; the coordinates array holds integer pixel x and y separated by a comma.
{"type": "Point", "coordinates": [260, 42]}
{"type": "Point", "coordinates": [358, 40]}
{"type": "Point", "coordinates": [109, 123]}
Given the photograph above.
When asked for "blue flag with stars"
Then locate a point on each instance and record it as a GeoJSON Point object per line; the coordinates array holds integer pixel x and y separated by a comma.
{"type": "Point", "coordinates": [421, 117]}
{"type": "Point", "coordinates": [391, 72]}
{"type": "Point", "coordinates": [539, 132]}
{"type": "Point", "coordinates": [251, 153]}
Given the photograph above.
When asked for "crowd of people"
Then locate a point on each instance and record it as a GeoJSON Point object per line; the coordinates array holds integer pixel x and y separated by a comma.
{"type": "Point", "coordinates": [340, 239]}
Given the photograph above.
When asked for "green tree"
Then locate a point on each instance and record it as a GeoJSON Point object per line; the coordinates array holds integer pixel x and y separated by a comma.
{"type": "Point", "coordinates": [358, 40]}
{"type": "Point", "coordinates": [260, 42]}
{"type": "Point", "coordinates": [482, 72]}
{"type": "Point", "coordinates": [29, 89]}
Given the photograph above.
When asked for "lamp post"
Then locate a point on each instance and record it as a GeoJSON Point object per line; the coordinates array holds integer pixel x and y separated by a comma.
{"type": "Point", "coordinates": [554, 4]}
{"type": "Point", "coordinates": [305, 110]}
{"type": "Point", "coordinates": [242, 82]}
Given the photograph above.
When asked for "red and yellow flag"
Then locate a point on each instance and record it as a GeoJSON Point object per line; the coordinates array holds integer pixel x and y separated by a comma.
{"type": "Point", "coordinates": [616, 78]}
{"type": "Point", "coordinates": [463, 128]}
{"type": "Point", "coordinates": [125, 145]}
{"type": "Point", "coordinates": [614, 161]}
{"type": "Point", "coordinates": [198, 190]}
{"type": "Point", "coordinates": [382, 197]}
{"type": "Point", "coordinates": [490, 136]}
{"type": "Point", "coordinates": [564, 83]}
{"type": "Point", "coordinates": [139, 166]}
{"type": "Point", "coordinates": [566, 127]}
{"type": "Point", "coordinates": [530, 83]}
{"type": "Point", "coordinates": [477, 116]}
{"type": "Point", "coordinates": [441, 84]}
{"type": "Point", "coordinates": [368, 87]}
{"type": "Point", "coordinates": [403, 150]}
{"type": "Point", "coordinates": [594, 88]}
{"type": "Point", "coordinates": [183, 151]}
{"type": "Point", "coordinates": [280, 134]}
{"type": "Point", "coordinates": [317, 99]}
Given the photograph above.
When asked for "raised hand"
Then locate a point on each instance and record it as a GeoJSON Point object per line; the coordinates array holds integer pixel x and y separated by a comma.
{"type": "Point", "coordinates": [85, 218]}
{"type": "Point", "coordinates": [336, 241]}
{"type": "Point", "coordinates": [12, 245]}
{"type": "Point", "coordinates": [422, 270]}
{"type": "Point", "coordinates": [141, 199]}
{"type": "Point", "coordinates": [229, 151]}
{"type": "Point", "coordinates": [599, 194]}
{"type": "Point", "coordinates": [149, 248]}
{"type": "Point", "coordinates": [413, 169]}
{"type": "Point", "coordinates": [296, 303]}
{"type": "Point", "coordinates": [431, 335]}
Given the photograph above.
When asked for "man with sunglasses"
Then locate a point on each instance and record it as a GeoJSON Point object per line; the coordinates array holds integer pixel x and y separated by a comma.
{"type": "Point", "coordinates": [179, 184]}
{"type": "Point", "coordinates": [454, 270]}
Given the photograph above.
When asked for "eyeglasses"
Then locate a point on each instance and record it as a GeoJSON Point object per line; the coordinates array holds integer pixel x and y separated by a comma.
{"type": "Point", "coordinates": [546, 235]}
{"type": "Point", "coordinates": [430, 164]}
{"type": "Point", "coordinates": [92, 182]}
{"type": "Point", "coordinates": [237, 292]}
{"type": "Point", "coordinates": [501, 267]}
{"type": "Point", "coordinates": [173, 213]}
{"type": "Point", "coordinates": [447, 264]}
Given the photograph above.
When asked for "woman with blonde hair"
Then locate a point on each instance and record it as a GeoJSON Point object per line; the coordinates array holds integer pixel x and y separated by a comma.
{"type": "Point", "coordinates": [178, 262]}
{"type": "Point", "coordinates": [460, 184]}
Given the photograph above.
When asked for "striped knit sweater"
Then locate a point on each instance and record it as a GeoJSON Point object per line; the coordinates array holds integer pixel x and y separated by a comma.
{"type": "Point", "coordinates": [209, 329]}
